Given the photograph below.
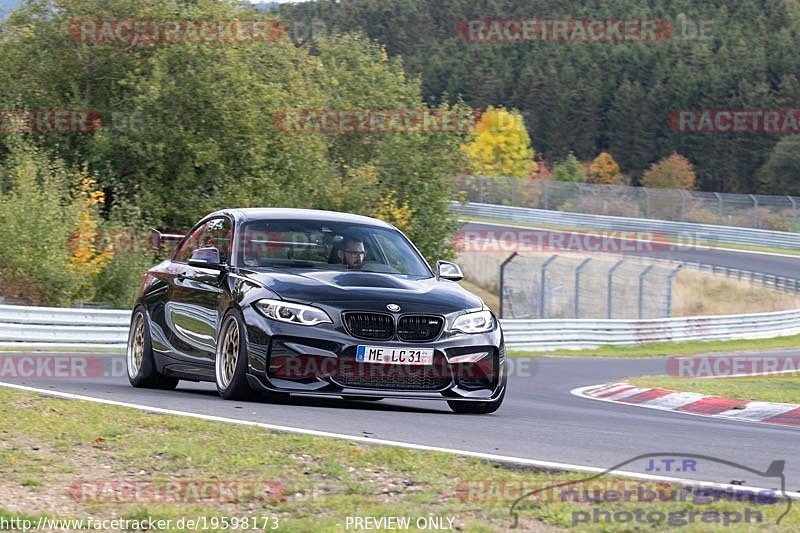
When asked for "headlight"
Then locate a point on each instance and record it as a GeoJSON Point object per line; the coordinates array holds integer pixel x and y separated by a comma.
{"type": "Point", "coordinates": [304, 315]}
{"type": "Point", "coordinates": [479, 322]}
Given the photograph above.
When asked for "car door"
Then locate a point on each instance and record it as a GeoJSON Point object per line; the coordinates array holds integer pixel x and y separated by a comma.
{"type": "Point", "coordinates": [192, 310]}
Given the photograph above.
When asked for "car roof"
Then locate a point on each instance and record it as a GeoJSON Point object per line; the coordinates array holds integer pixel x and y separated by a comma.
{"type": "Point", "coordinates": [281, 213]}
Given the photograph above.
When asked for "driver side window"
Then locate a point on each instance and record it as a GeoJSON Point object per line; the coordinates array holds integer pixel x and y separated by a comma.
{"type": "Point", "coordinates": [215, 232]}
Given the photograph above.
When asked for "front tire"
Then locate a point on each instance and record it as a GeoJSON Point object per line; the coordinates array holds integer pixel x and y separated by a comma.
{"type": "Point", "coordinates": [230, 365]}
{"type": "Point", "coordinates": [477, 408]}
{"type": "Point", "coordinates": [142, 371]}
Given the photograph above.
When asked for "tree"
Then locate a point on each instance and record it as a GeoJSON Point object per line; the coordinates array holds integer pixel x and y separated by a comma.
{"type": "Point", "coordinates": [209, 135]}
{"type": "Point", "coordinates": [673, 172]}
{"type": "Point", "coordinates": [500, 145]}
{"type": "Point", "coordinates": [604, 170]}
{"type": "Point", "coordinates": [569, 170]}
{"type": "Point", "coordinates": [589, 98]}
{"type": "Point", "coordinates": [781, 173]}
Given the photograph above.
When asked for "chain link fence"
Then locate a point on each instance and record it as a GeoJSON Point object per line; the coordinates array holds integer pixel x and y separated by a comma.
{"type": "Point", "coordinates": [558, 286]}
{"type": "Point", "coordinates": [777, 213]}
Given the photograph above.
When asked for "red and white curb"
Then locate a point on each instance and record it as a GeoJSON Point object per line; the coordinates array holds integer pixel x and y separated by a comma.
{"type": "Point", "coordinates": [693, 403]}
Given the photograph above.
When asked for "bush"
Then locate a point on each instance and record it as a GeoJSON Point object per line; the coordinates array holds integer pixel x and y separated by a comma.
{"type": "Point", "coordinates": [702, 215]}
{"type": "Point", "coordinates": [604, 170]}
{"type": "Point", "coordinates": [117, 285]}
{"type": "Point", "coordinates": [38, 217]}
{"type": "Point", "coordinates": [569, 170]}
{"type": "Point", "coordinates": [766, 219]}
{"type": "Point", "coordinates": [673, 172]}
{"type": "Point", "coordinates": [52, 236]}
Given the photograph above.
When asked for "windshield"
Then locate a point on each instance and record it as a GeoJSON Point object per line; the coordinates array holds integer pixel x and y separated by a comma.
{"type": "Point", "coordinates": [329, 246]}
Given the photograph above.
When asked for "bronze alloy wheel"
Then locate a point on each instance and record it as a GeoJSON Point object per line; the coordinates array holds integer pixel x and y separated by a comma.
{"type": "Point", "coordinates": [228, 354]}
{"type": "Point", "coordinates": [136, 347]}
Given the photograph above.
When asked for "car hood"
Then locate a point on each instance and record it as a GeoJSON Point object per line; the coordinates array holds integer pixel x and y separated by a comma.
{"type": "Point", "coordinates": [334, 287]}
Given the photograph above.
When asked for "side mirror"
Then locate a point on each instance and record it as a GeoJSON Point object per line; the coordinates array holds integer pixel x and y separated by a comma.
{"type": "Point", "coordinates": [158, 239]}
{"type": "Point", "coordinates": [205, 258]}
{"type": "Point", "coordinates": [448, 270]}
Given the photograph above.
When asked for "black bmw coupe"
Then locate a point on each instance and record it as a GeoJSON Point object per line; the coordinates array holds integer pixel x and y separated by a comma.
{"type": "Point", "coordinates": [292, 301]}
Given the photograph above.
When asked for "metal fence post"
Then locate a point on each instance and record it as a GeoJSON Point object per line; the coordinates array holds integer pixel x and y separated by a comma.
{"type": "Point", "coordinates": [503, 279]}
{"type": "Point", "coordinates": [669, 288]}
{"type": "Point", "coordinates": [611, 285]}
{"type": "Point", "coordinates": [720, 208]}
{"type": "Point", "coordinates": [641, 286]}
{"type": "Point", "coordinates": [578, 286]}
{"type": "Point", "coordinates": [543, 282]}
{"type": "Point", "coordinates": [546, 187]}
{"type": "Point", "coordinates": [794, 213]}
{"type": "Point", "coordinates": [757, 216]}
{"type": "Point", "coordinates": [646, 202]}
{"type": "Point", "coordinates": [480, 191]}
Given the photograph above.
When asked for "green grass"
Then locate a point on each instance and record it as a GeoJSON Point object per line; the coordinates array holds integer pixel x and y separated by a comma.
{"type": "Point", "coordinates": [782, 389]}
{"type": "Point", "coordinates": [735, 246]}
{"type": "Point", "coordinates": [672, 348]}
{"type": "Point", "coordinates": [325, 480]}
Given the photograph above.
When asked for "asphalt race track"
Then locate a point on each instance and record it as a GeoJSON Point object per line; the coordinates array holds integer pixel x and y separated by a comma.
{"type": "Point", "coordinates": [776, 265]}
{"type": "Point", "coordinates": [539, 420]}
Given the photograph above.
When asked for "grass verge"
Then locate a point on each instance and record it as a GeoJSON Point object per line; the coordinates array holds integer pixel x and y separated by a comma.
{"type": "Point", "coordinates": [673, 348]}
{"type": "Point", "coordinates": [48, 445]}
{"type": "Point", "coordinates": [781, 389]}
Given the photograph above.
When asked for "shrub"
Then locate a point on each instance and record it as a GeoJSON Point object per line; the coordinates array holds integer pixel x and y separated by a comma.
{"type": "Point", "coordinates": [38, 219]}
{"type": "Point", "coordinates": [119, 281]}
{"type": "Point", "coordinates": [569, 170]}
{"type": "Point", "coordinates": [604, 170]}
{"type": "Point", "coordinates": [673, 172]}
{"type": "Point", "coordinates": [51, 234]}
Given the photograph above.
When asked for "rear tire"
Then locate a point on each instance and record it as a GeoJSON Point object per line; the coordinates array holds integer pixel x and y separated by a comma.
{"type": "Point", "coordinates": [142, 372]}
{"type": "Point", "coordinates": [230, 364]}
{"type": "Point", "coordinates": [477, 408]}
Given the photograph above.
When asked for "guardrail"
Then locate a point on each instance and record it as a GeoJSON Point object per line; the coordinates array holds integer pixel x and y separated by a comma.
{"type": "Point", "coordinates": [778, 283]}
{"type": "Point", "coordinates": [59, 329]}
{"type": "Point", "coordinates": [686, 232]}
{"type": "Point", "coordinates": [51, 329]}
{"type": "Point", "coordinates": [568, 334]}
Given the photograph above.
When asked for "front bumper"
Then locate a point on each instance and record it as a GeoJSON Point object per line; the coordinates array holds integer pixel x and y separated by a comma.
{"type": "Point", "coordinates": [320, 360]}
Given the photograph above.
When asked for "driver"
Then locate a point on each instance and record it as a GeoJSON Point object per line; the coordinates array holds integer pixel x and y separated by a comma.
{"type": "Point", "coordinates": [352, 253]}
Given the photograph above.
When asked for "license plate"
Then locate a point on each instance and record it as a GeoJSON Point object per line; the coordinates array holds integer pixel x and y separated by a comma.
{"type": "Point", "coordinates": [394, 356]}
